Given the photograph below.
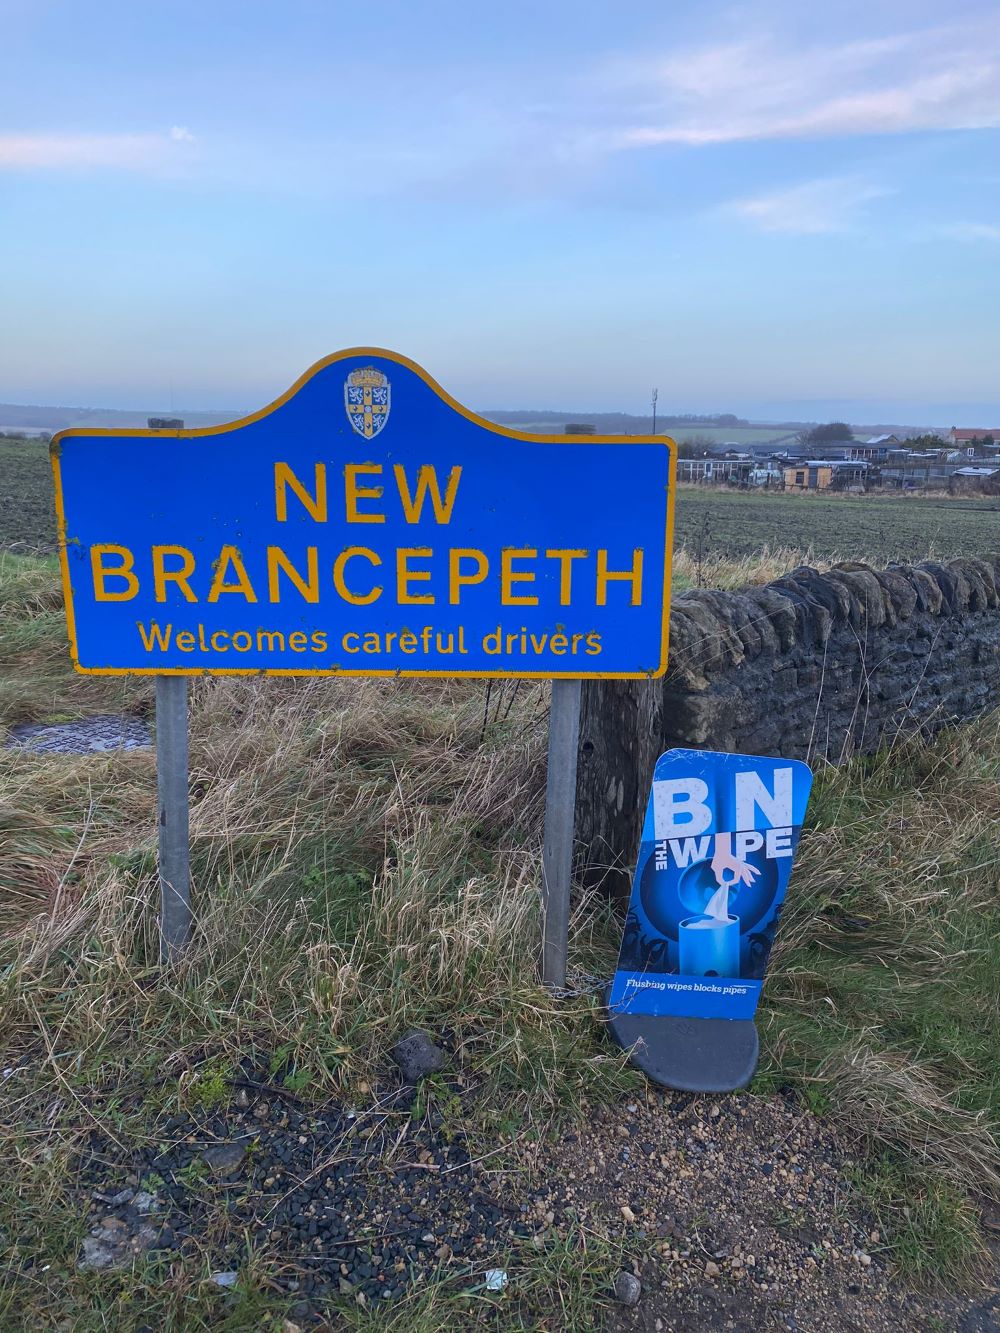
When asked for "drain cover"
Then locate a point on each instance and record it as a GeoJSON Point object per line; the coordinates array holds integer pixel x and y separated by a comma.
{"type": "Point", "coordinates": [88, 735]}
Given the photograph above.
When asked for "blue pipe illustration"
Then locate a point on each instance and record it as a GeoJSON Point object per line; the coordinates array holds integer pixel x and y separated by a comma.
{"type": "Point", "coordinates": [709, 946]}
{"type": "Point", "coordinates": [709, 942]}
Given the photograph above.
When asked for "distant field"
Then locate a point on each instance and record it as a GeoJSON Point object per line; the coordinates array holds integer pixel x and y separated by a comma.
{"type": "Point", "coordinates": [714, 434]}
{"type": "Point", "coordinates": [27, 514]}
{"type": "Point", "coordinates": [734, 434]}
{"type": "Point", "coordinates": [741, 523]}
{"type": "Point", "coordinates": [719, 522]}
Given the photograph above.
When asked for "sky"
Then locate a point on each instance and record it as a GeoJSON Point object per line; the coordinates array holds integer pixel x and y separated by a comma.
{"type": "Point", "coordinates": [773, 209]}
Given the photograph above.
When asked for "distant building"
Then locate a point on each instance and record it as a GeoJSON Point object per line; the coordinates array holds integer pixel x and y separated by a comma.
{"type": "Point", "coordinates": [975, 481]}
{"type": "Point", "coordinates": [767, 472]}
{"type": "Point", "coordinates": [822, 474]}
{"type": "Point", "coordinates": [715, 471]}
{"type": "Point", "coordinates": [967, 439]}
{"type": "Point", "coordinates": [876, 449]}
{"type": "Point", "coordinates": [696, 469]}
{"type": "Point", "coordinates": [873, 450]}
{"type": "Point", "coordinates": [911, 469]}
{"type": "Point", "coordinates": [832, 449]}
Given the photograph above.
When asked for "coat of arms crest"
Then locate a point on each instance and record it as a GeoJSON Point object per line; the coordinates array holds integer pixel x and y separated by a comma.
{"type": "Point", "coordinates": [366, 399]}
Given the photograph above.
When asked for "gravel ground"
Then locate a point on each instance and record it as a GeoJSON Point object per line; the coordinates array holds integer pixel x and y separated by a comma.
{"type": "Point", "coordinates": [343, 1203]}
{"type": "Point", "coordinates": [745, 1205]}
{"type": "Point", "coordinates": [737, 1210]}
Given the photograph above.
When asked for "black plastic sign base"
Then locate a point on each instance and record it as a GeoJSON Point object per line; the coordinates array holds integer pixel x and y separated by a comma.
{"type": "Point", "coordinates": [689, 1054]}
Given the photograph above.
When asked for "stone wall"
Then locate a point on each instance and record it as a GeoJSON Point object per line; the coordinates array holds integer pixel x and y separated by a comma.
{"type": "Point", "coordinates": [813, 666]}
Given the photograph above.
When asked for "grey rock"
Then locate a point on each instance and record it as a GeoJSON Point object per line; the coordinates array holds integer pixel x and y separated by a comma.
{"type": "Point", "coordinates": [96, 1255]}
{"type": "Point", "coordinates": [224, 1279]}
{"type": "Point", "coordinates": [114, 1244]}
{"type": "Point", "coordinates": [982, 1318]}
{"type": "Point", "coordinates": [144, 1202]}
{"type": "Point", "coordinates": [982, 584]}
{"type": "Point", "coordinates": [901, 591]}
{"type": "Point", "coordinates": [628, 1289]}
{"type": "Point", "coordinates": [114, 1200]}
{"type": "Point", "coordinates": [779, 611]}
{"type": "Point", "coordinates": [224, 1157]}
{"type": "Point", "coordinates": [417, 1056]}
{"type": "Point", "coordinates": [686, 650]}
{"type": "Point", "coordinates": [929, 596]}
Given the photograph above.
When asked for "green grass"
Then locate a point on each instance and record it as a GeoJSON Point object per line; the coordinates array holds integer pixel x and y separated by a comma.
{"type": "Point", "coordinates": [36, 680]}
{"type": "Point", "coordinates": [567, 1284]}
{"type": "Point", "coordinates": [931, 1225]}
{"type": "Point", "coordinates": [882, 1003]}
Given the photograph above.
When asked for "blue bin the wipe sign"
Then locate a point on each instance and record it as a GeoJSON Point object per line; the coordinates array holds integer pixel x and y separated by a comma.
{"type": "Point", "coordinates": [718, 841]}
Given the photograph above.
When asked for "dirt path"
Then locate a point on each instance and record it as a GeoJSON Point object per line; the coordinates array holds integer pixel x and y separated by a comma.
{"type": "Point", "coordinates": [734, 1213]}
{"type": "Point", "coordinates": [746, 1205]}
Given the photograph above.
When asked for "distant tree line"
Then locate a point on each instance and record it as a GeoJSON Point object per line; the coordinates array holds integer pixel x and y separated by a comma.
{"type": "Point", "coordinates": [831, 432]}
{"type": "Point", "coordinates": [617, 423]}
{"type": "Point", "coordinates": [695, 446]}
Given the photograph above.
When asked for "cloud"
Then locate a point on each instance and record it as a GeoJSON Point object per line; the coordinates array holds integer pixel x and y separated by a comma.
{"type": "Point", "coordinates": [759, 88]}
{"type": "Point", "coordinates": [814, 208]}
{"type": "Point", "coordinates": [123, 152]}
{"type": "Point", "coordinates": [970, 231]}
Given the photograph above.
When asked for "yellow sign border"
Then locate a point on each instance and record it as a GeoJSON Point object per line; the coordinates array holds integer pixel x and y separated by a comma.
{"type": "Point", "coordinates": [663, 441]}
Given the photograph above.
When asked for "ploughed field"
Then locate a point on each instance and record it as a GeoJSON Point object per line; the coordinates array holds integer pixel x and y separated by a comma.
{"type": "Point", "coordinates": [717, 521]}
{"type": "Point", "coordinates": [27, 513]}
{"type": "Point", "coordinates": [710, 522]}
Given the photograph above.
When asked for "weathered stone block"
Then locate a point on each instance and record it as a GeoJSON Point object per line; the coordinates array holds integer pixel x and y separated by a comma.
{"type": "Point", "coordinates": [901, 592]}
{"type": "Point", "coordinates": [778, 612]}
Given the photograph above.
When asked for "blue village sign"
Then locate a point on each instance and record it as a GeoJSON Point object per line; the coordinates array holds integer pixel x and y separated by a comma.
{"type": "Point", "coordinates": [365, 524]}
{"type": "Point", "coordinates": [718, 841]}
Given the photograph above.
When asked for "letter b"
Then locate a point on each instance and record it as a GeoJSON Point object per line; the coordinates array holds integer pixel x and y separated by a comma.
{"type": "Point", "coordinates": [103, 571]}
{"type": "Point", "coordinates": [679, 807]}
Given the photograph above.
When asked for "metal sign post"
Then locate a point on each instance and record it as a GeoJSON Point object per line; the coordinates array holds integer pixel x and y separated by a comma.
{"type": "Point", "coordinates": [557, 850]}
{"type": "Point", "coordinates": [172, 815]}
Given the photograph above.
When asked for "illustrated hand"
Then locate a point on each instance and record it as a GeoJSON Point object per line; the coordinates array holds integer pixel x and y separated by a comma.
{"type": "Point", "coordinates": [726, 868]}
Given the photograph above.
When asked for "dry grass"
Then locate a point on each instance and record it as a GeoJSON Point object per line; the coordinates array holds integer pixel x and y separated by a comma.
{"type": "Point", "coordinates": [716, 569]}
{"type": "Point", "coordinates": [28, 587]}
{"type": "Point", "coordinates": [364, 858]}
{"type": "Point", "coordinates": [36, 683]}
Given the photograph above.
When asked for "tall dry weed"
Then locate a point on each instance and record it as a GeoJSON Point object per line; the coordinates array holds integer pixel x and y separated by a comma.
{"type": "Point", "coordinates": [711, 568]}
